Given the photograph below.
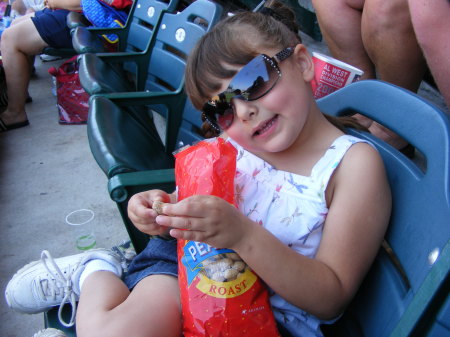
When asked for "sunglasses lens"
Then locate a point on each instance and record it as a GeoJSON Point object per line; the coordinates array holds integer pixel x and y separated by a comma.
{"type": "Point", "coordinates": [255, 79]}
{"type": "Point", "coordinates": [225, 119]}
{"type": "Point", "coordinates": [218, 113]}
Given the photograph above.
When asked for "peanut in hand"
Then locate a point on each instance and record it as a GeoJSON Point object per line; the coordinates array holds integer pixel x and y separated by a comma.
{"type": "Point", "coordinates": [157, 206]}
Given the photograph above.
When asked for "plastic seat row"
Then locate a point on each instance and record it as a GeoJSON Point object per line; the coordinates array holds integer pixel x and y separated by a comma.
{"type": "Point", "coordinates": [406, 292]}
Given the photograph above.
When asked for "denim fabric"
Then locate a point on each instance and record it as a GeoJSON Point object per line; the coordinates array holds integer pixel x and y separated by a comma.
{"type": "Point", "coordinates": [159, 257]}
{"type": "Point", "coordinates": [52, 27]}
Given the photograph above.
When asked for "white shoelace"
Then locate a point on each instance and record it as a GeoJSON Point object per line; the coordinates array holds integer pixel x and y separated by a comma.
{"type": "Point", "coordinates": [68, 295]}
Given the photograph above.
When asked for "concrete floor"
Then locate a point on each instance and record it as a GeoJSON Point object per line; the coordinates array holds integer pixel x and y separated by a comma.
{"type": "Point", "coordinates": [46, 172]}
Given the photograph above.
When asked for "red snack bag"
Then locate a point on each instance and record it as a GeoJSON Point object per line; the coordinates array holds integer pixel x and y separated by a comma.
{"type": "Point", "coordinates": [220, 294]}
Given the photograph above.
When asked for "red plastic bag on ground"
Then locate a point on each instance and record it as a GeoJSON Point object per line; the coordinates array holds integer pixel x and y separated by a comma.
{"type": "Point", "coordinates": [220, 294]}
{"type": "Point", "coordinates": [71, 99]}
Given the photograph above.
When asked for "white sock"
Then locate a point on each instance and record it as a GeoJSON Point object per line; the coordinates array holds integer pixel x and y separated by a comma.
{"type": "Point", "coordinates": [97, 265]}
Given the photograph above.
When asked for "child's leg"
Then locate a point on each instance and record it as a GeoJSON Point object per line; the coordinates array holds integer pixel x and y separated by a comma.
{"type": "Point", "coordinates": [108, 308]}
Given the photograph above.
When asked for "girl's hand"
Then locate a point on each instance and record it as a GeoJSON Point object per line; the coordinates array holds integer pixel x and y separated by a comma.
{"type": "Point", "coordinates": [205, 218]}
{"type": "Point", "coordinates": [143, 216]}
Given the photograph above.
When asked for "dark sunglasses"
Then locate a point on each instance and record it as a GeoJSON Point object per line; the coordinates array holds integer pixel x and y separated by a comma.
{"type": "Point", "coordinates": [252, 82]}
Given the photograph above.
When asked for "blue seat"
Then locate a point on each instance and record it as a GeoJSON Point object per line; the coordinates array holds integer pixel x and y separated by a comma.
{"type": "Point", "coordinates": [407, 290]}
{"type": "Point", "coordinates": [135, 70]}
{"type": "Point", "coordinates": [158, 69]}
{"type": "Point", "coordinates": [119, 121]}
{"type": "Point", "coordinates": [165, 69]}
{"type": "Point", "coordinates": [135, 36]}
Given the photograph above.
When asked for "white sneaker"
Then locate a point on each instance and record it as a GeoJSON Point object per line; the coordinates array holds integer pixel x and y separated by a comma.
{"type": "Point", "coordinates": [49, 58]}
{"type": "Point", "coordinates": [46, 283]}
{"type": "Point", "coordinates": [50, 332]}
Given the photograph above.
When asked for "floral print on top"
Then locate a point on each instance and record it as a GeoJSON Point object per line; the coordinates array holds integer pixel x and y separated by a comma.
{"type": "Point", "coordinates": [293, 208]}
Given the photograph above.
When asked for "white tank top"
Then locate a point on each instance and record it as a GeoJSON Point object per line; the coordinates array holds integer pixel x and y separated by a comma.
{"type": "Point", "coordinates": [293, 208]}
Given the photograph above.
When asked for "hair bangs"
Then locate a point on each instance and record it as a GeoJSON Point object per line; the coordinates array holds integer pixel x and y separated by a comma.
{"type": "Point", "coordinates": [234, 41]}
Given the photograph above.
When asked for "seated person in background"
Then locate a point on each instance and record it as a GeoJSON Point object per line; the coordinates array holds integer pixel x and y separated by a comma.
{"type": "Point", "coordinates": [22, 7]}
{"type": "Point", "coordinates": [377, 37]}
{"type": "Point", "coordinates": [27, 37]}
{"type": "Point", "coordinates": [431, 24]}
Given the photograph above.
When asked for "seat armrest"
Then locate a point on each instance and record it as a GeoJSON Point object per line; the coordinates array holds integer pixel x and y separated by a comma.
{"type": "Point", "coordinates": [155, 179]}
{"type": "Point", "coordinates": [145, 97]}
{"type": "Point", "coordinates": [99, 77]}
{"type": "Point", "coordinates": [84, 41]}
{"type": "Point", "coordinates": [122, 186]}
{"type": "Point", "coordinates": [77, 19]}
{"type": "Point", "coordinates": [174, 101]}
{"type": "Point", "coordinates": [119, 31]}
{"type": "Point", "coordinates": [120, 57]}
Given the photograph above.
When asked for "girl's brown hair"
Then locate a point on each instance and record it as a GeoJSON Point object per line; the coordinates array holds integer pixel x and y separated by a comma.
{"type": "Point", "coordinates": [235, 41]}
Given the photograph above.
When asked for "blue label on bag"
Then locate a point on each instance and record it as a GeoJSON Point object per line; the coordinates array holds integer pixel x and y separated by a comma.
{"type": "Point", "coordinates": [194, 255]}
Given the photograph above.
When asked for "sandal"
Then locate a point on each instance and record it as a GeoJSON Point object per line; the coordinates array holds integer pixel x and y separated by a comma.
{"type": "Point", "coordinates": [4, 127]}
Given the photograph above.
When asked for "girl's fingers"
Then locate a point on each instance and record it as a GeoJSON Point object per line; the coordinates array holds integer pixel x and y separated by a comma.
{"type": "Point", "coordinates": [178, 209]}
{"type": "Point", "coordinates": [195, 206]}
{"type": "Point", "coordinates": [185, 223]}
{"type": "Point", "coordinates": [142, 211]}
{"type": "Point", "coordinates": [187, 235]}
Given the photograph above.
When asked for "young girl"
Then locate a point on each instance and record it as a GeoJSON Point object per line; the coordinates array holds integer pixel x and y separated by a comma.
{"type": "Point", "coordinates": [313, 202]}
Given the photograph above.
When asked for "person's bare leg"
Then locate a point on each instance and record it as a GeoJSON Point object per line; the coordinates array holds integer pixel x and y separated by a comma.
{"type": "Point", "coordinates": [340, 24]}
{"type": "Point", "coordinates": [432, 27]}
{"type": "Point", "coordinates": [18, 20]}
{"type": "Point", "coordinates": [390, 41]}
{"type": "Point", "coordinates": [19, 42]}
{"type": "Point", "coordinates": [108, 308]}
{"type": "Point", "coordinates": [19, 7]}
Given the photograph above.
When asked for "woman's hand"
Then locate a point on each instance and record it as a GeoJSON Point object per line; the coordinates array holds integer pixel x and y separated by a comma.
{"type": "Point", "coordinates": [143, 216]}
{"type": "Point", "coordinates": [205, 218]}
{"type": "Point", "coordinates": [71, 5]}
{"type": "Point", "coordinates": [52, 4]}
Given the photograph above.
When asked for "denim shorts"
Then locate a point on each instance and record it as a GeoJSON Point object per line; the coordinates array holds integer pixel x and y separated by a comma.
{"type": "Point", "coordinates": [158, 258]}
{"type": "Point", "coordinates": [52, 27]}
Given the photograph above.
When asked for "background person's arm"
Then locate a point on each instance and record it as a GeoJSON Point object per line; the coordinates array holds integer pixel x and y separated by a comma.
{"type": "Point", "coordinates": [72, 5]}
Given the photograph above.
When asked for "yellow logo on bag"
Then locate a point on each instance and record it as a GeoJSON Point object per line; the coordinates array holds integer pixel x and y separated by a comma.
{"type": "Point", "coordinates": [227, 289]}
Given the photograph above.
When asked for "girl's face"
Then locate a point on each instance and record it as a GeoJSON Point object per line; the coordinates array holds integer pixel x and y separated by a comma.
{"type": "Point", "coordinates": [274, 122]}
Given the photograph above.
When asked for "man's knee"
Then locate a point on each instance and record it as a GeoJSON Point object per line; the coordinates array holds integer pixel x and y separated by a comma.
{"type": "Point", "coordinates": [386, 17]}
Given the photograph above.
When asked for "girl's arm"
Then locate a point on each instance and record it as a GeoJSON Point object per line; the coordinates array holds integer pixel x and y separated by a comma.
{"type": "Point", "coordinates": [360, 202]}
